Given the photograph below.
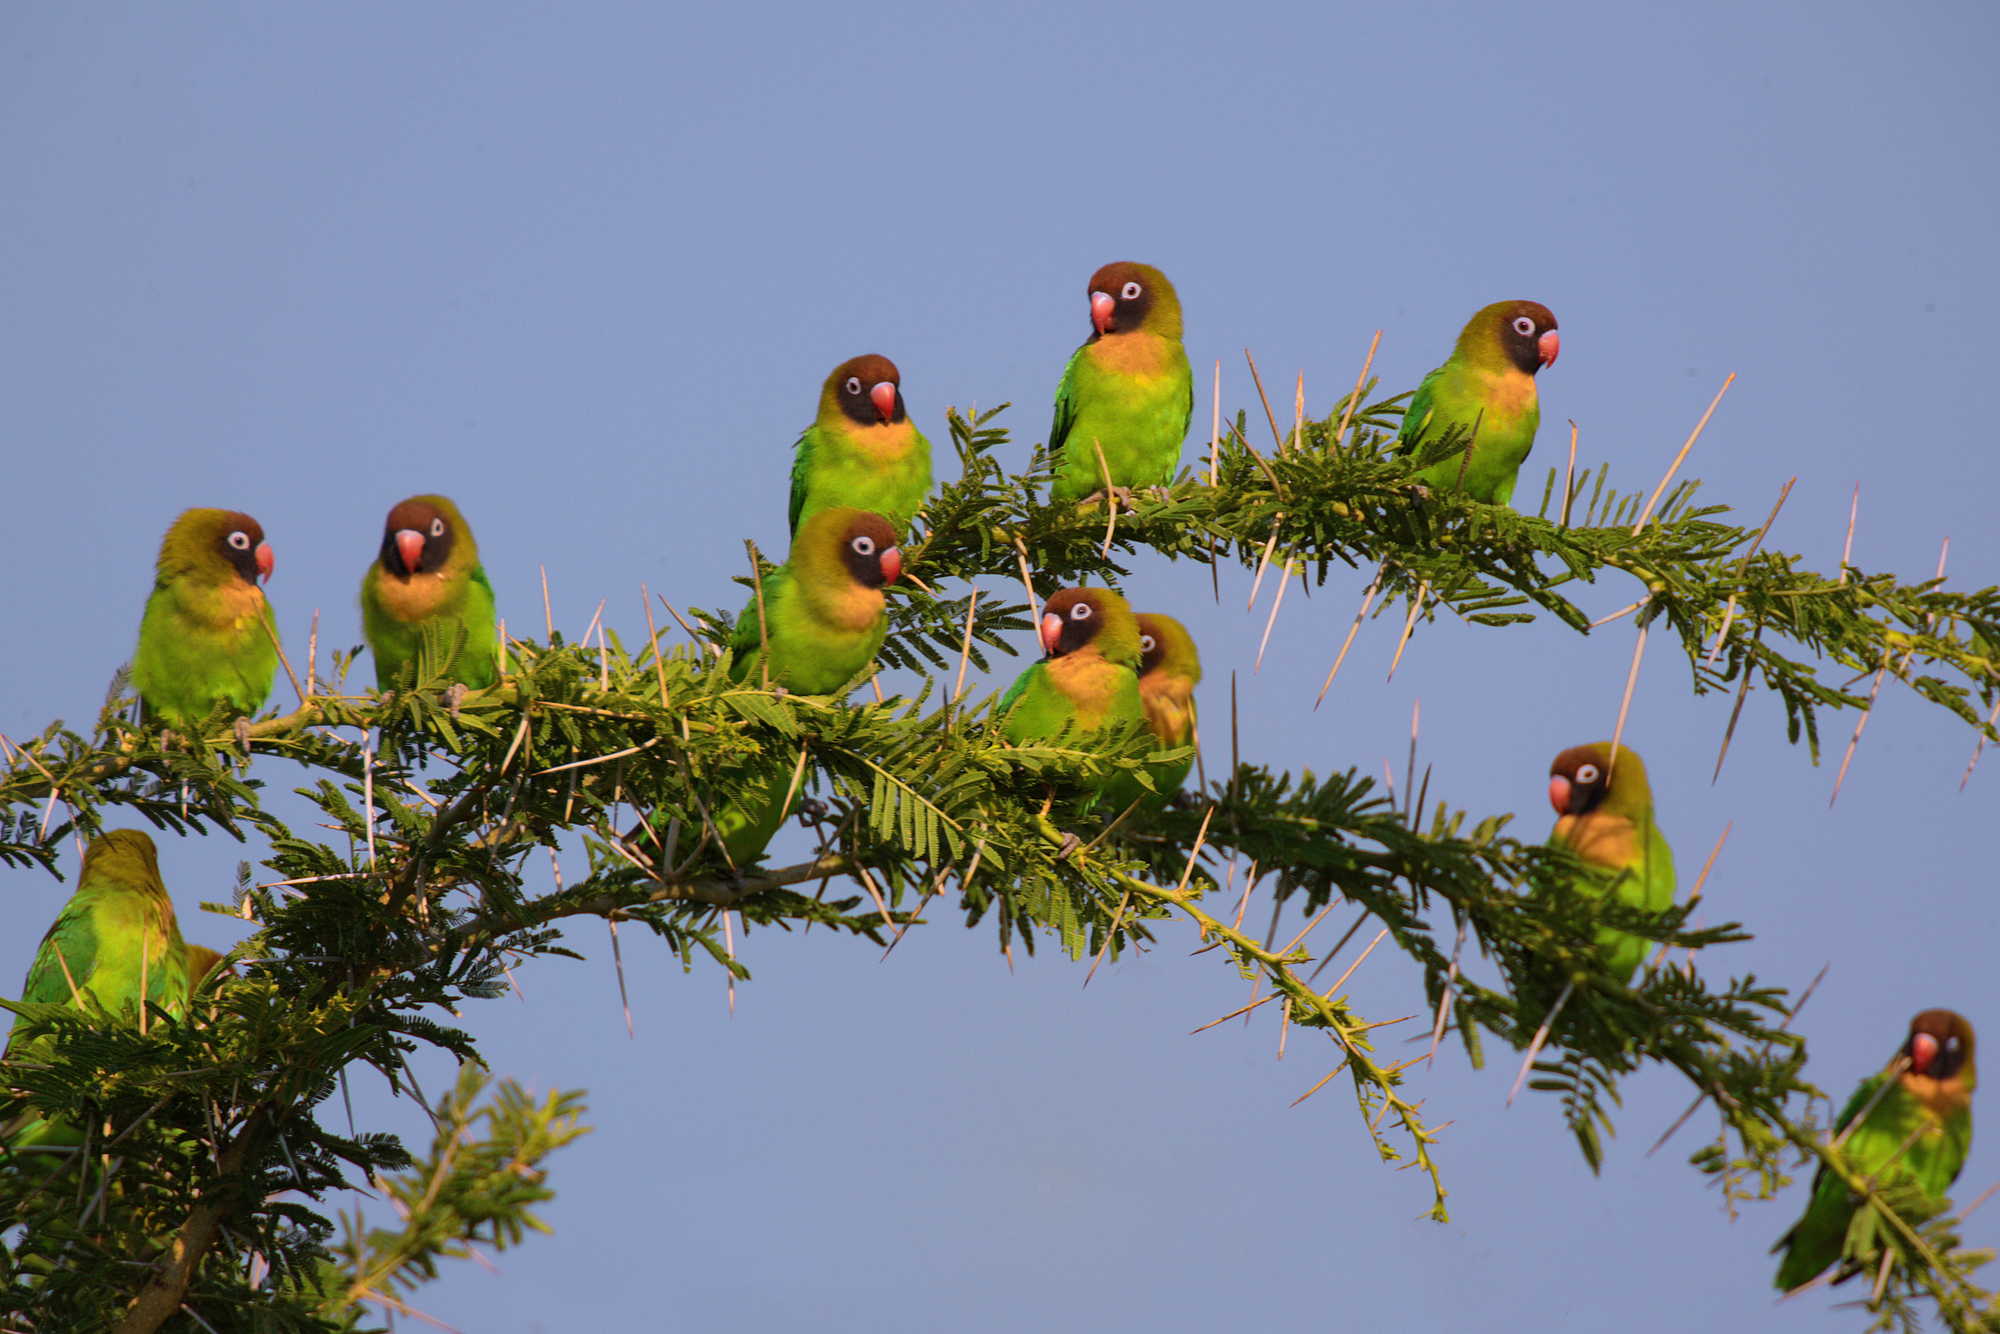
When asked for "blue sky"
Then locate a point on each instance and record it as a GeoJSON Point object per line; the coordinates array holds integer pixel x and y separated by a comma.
{"type": "Point", "coordinates": [584, 270]}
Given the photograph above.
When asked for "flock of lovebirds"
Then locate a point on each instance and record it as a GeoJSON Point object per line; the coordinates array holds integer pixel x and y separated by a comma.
{"type": "Point", "coordinates": [208, 647]}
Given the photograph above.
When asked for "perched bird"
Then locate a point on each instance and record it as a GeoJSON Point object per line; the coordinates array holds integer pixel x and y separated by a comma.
{"type": "Point", "coordinates": [1089, 681]}
{"type": "Point", "coordinates": [1916, 1130]}
{"type": "Point", "coordinates": [1169, 670]}
{"type": "Point", "coordinates": [1485, 394]}
{"type": "Point", "coordinates": [427, 576]}
{"type": "Point", "coordinates": [823, 619]}
{"type": "Point", "coordinates": [1604, 816]}
{"type": "Point", "coordinates": [207, 638]}
{"type": "Point", "coordinates": [862, 450]}
{"type": "Point", "coordinates": [116, 940]}
{"type": "Point", "coordinates": [1127, 391]}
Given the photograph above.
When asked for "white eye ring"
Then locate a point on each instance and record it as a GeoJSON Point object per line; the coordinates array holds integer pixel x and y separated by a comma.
{"type": "Point", "coordinates": [1523, 326]}
{"type": "Point", "coordinates": [1951, 1044]}
{"type": "Point", "coordinates": [1146, 643]}
{"type": "Point", "coordinates": [1080, 612]}
{"type": "Point", "coordinates": [240, 540]}
{"type": "Point", "coordinates": [863, 545]}
{"type": "Point", "coordinates": [1586, 773]}
{"type": "Point", "coordinates": [437, 527]}
{"type": "Point", "coordinates": [1130, 291]}
{"type": "Point", "coordinates": [853, 384]}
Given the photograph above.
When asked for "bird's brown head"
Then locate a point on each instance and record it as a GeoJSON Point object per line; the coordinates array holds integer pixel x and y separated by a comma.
{"type": "Point", "coordinates": [229, 535]}
{"type": "Point", "coordinates": [1077, 618]}
{"type": "Point", "coordinates": [419, 535]}
{"type": "Point", "coordinates": [1940, 1045]}
{"type": "Point", "coordinates": [1583, 779]}
{"type": "Point", "coordinates": [868, 550]}
{"type": "Point", "coordinates": [126, 856]}
{"type": "Point", "coordinates": [1165, 642]}
{"type": "Point", "coordinates": [1525, 331]}
{"type": "Point", "coordinates": [868, 390]}
{"type": "Point", "coordinates": [1127, 296]}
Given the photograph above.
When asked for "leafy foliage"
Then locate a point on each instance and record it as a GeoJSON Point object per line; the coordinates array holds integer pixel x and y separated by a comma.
{"type": "Point", "coordinates": [208, 1155]}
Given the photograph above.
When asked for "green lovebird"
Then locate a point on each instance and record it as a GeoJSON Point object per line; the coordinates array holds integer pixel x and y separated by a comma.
{"type": "Point", "coordinates": [1089, 681]}
{"type": "Point", "coordinates": [115, 940]}
{"type": "Point", "coordinates": [824, 618]}
{"type": "Point", "coordinates": [1916, 1130]}
{"type": "Point", "coordinates": [862, 450]}
{"type": "Point", "coordinates": [1485, 393]}
{"type": "Point", "coordinates": [1169, 670]}
{"type": "Point", "coordinates": [1604, 817]}
{"type": "Point", "coordinates": [1128, 391]}
{"type": "Point", "coordinates": [428, 577]}
{"type": "Point", "coordinates": [207, 638]}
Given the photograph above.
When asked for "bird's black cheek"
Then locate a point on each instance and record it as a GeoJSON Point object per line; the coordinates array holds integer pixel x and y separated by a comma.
{"type": "Point", "coordinates": [864, 570]}
{"type": "Point", "coordinates": [244, 562]}
{"type": "Point", "coordinates": [1132, 314]}
{"type": "Point", "coordinates": [437, 550]}
{"type": "Point", "coordinates": [1075, 635]}
{"type": "Point", "coordinates": [391, 556]}
{"type": "Point", "coordinates": [858, 408]}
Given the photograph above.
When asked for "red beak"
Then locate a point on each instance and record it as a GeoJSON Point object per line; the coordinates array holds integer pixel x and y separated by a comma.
{"type": "Point", "coordinates": [892, 565]}
{"type": "Point", "coordinates": [1052, 625]}
{"type": "Point", "coordinates": [1551, 344]}
{"type": "Point", "coordinates": [1923, 1052]}
{"type": "Point", "coordinates": [884, 395]}
{"type": "Point", "coordinates": [266, 562]}
{"type": "Point", "coordinates": [1559, 793]}
{"type": "Point", "coordinates": [410, 545]}
{"type": "Point", "coordinates": [1100, 310]}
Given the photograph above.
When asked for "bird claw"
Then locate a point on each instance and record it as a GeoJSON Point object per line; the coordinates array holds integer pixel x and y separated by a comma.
{"type": "Point", "coordinates": [243, 735]}
{"type": "Point", "coordinates": [455, 696]}
{"type": "Point", "coordinates": [1121, 495]}
{"type": "Point", "coordinates": [1070, 843]}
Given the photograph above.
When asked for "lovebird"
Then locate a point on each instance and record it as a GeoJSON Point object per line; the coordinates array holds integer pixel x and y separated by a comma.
{"type": "Point", "coordinates": [207, 638]}
{"type": "Point", "coordinates": [115, 940]}
{"type": "Point", "coordinates": [824, 618]}
{"type": "Point", "coordinates": [1486, 392]}
{"type": "Point", "coordinates": [1169, 670]}
{"type": "Point", "coordinates": [1128, 389]}
{"type": "Point", "coordinates": [428, 576]}
{"type": "Point", "coordinates": [1917, 1130]}
{"type": "Point", "coordinates": [1089, 681]}
{"type": "Point", "coordinates": [862, 450]}
{"type": "Point", "coordinates": [1604, 817]}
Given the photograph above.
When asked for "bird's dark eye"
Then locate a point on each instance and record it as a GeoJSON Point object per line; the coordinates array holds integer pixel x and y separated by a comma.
{"type": "Point", "coordinates": [1080, 612]}
{"type": "Point", "coordinates": [437, 527]}
{"type": "Point", "coordinates": [1145, 643]}
{"type": "Point", "coordinates": [854, 384]}
{"type": "Point", "coordinates": [863, 545]}
{"type": "Point", "coordinates": [1586, 773]}
{"type": "Point", "coordinates": [240, 540]}
{"type": "Point", "coordinates": [1524, 326]}
{"type": "Point", "coordinates": [1130, 291]}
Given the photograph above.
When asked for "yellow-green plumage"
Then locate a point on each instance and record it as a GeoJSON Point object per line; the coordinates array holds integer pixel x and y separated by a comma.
{"type": "Point", "coordinates": [1916, 1132]}
{"type": "Point", "coordinates": [1089, 682]}
{"type": "Point", "coordinates": [1169, 670]}
{"type": "Point", "coordinates": [426, 580]}
{"type": "Point", "coordinates": [116, 940]}
{"type": "Point", "coordinates": [1604, 816]}
{"type": "Point", "coordinates": [823, 619]}
{"type": "Point", "coordinates": [1484, 396]}
{"type": "Point", "coordinates": [862, 450]}
{"type": "Point", "coordinates": [207, 639]}
{"type": "Point", "coordinates": [1128, 391]}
